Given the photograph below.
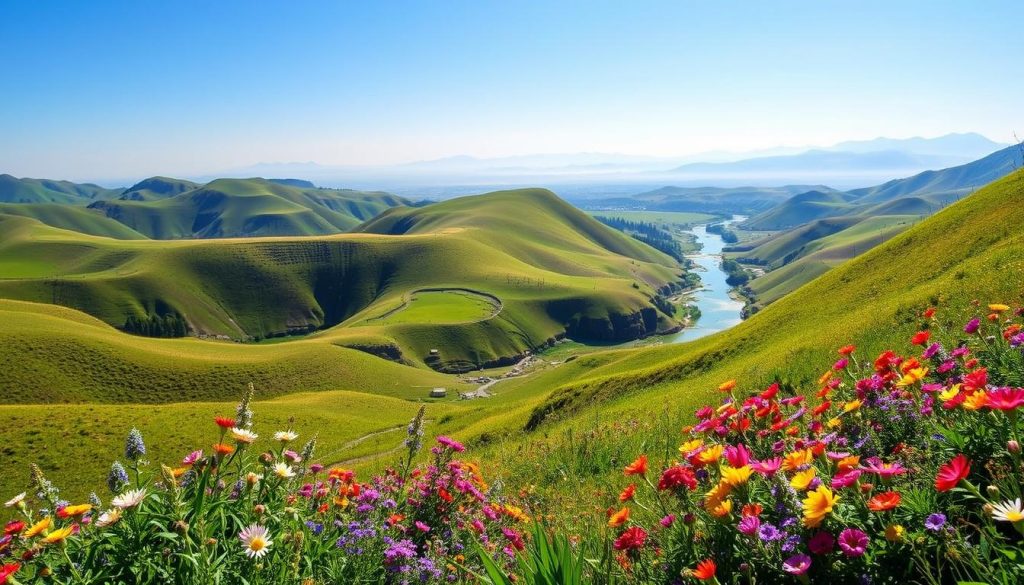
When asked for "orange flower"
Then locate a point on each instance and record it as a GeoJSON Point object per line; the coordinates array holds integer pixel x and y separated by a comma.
{"type": "Point", "coordinates": [638, 467]}
{"type": "Point", "coordinates": [705, 570]}
{"type": "Point", "coordinates": [222, 449]}
{"type": "Point", "coordinates": [627, 494]}
{"type": "Point", "coordinates": [727, 386]}
{"type": "Point", "coordinates": [619, 518]}
{"type": "Point", "coordinates": [797, 459]}
{"type": "Point", "coordinates": [883, 502]}
{"type": "Point", "coordinates": [752, 509]}
{"type": "Point", "coordinates": [848, 462]}
{"type": "Point", "coordinates": [224, 422]}
{"type": "Point", "coordinates": [847, 349]}
{"type": "Point", "coordinates": [73, 511]}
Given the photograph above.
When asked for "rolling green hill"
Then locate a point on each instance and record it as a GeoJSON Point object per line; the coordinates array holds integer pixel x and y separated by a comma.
{"type": "Point", "coordinates": [545, 268]}
{"type": "Point", "coordinates": [14, 190]}
{"type": "Point", "coordinates": [155, 188]}
{"type": "Point", "coordinates": [72, 217]}
{"type": "Point", "coordinates": [241, 208]}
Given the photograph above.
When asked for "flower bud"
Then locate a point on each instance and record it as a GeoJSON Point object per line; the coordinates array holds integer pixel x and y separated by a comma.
{"type": "Point", "coordinates": [992, 490]}
{"type": "Point", "coordinates": [1013, 446]}
{"type": "Point", "coordinates": [259, 509]}
{"type": "Point", "coordinates": [987, 509]}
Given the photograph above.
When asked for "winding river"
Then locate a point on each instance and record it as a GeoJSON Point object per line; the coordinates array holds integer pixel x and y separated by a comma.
{"type": "Point", "coordinates": [718, 310]}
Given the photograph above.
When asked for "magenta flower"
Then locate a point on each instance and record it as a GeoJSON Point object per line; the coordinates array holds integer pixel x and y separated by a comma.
{"type": "Point", "coordinates": [767, 467]}
{"type": "Point", "coordinates": [451, 444]}
{"type": "Point", "coordinates": [737, 456]}
{"type": "Point", "coordinates": [853, 542]}
{"type": "Point", "coordinates": [797, 564]}
{"type": "Point", "coordinates": [886, 470]}
{"type": "Point", "coordinates": [668, 520]}
{"type": "Point", "coordinates": [840, 364]}
{"type": "Point", "coordinates": [192, 457]}
{"type": "Point", "coordinates": [422, 527]}
{"type": "Point", "coordinates": [749, 525]}
{"type": "Point", "coordinates": [845, 478]}
{"type": "Point", "coordinates": [972, 325]}
{"type": "Point", "coordinates": [821, 543]}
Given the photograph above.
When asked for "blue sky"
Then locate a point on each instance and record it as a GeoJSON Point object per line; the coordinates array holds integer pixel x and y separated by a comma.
{"type": "Point", "coordinates": [120, 90]}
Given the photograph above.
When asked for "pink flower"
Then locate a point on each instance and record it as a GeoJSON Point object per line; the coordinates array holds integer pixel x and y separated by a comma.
{"type": "Point", "coordinates": [749, 525]}
{"type": "Point", "coordinates": [853, 542]}
{"type": "Point", "coordinates": [668, 520]}
{"type": "Point", "coordinates": [845, 478]}
{"type": "Point", "coordinates": [422, 527]}
{"type": "Point", "coordinates": [451, 444]}
{"type": "Point", "coordinates": [797, 564]}
{"type": "Point", "coordinates": [840, 364]}
{"type": "Point", "coordinates": [878, 467]}
{"type": "Point", "coordinates": [767, 467]}
{"type": "Point", "coordinates": [1004, 398]}
{"type": "Point", "coordinates": [192, 457]}
{"type": "Point", "coordinates": [737, 456]}
{"type": "Point", "coordinates": [821, 543]}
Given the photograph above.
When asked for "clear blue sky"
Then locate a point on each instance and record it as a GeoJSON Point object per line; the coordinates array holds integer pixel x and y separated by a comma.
{"type": "Point", "coordinates": [129, 89]}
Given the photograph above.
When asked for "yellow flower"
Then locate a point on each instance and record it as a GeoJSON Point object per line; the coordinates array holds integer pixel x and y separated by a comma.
{"type": "Point", "coordinates": [736, 476]}
{"type": "Point", "coordinates": [998, 308]}
{"type": "Point", "coordinates": [834, 423]}
{"type": "Point", "coordinates": [894, 533]}
{"type": "Point", "coordinates": [975, 400]}
{"type": "Point", "coordinates": [817, 505]}
{"type": "Point", "coordinates": [802, 480]}
{"type": "Point", "coordinates": [797, 459]}
{"type": "Point", "coordinates": [912, 377]}
{"type": "Point", "coordinates": [949, 394]}
{"type": "Point", "coordinates": [711, 454]}
{"type": "Point", "coordinates": [690, 446]}
{"type": "Point", "coordinates": [515, 513]}
{"type": "Point", "coordinates": [721, 510]}
{"type": "Point", "coordinates": [851, 406]}
{"type": "Point", "coordinates": [717, 495]}
{"type": "Point", "coordinates": [72, 511]}
{"type": "Point", "coordinates": [38, 528]}
{"type": "Point", "coordinates": [57, 536]}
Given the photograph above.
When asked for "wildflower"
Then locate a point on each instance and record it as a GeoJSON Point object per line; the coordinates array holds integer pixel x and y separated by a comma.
{"type": "Point", "coordinates": [710, 455]}
{"type": "Point", "coordinates": [894, 532]}
{"type": "Point", "coordinates": [821, 543]}
{"type": "Point", "coordinates": [817, 505]}
{"type": "Point", "coordinates": [722, 509]}
{"type": "Point", "coordinates": [802, 480]}
{"type": "Point", "coordinates": [451, 444]}
{"type": "Point", "coordinates": [1009, 511]}
{"type": "Point", "coordinates": [58, 536]}
{"type": "Point", "coordinates": [7, 570]}
{"type": "Point", "coordinates": [767, 467]}
{"type": "Point", "coordinates": [192, 457]}
{"type": "Point", "coordinates": [690, 446]}
{"type": "Point", "coordinates": [998, 308]}
{"type": "Point", "coordinates": [737, 455]}
{"type": "Point", "coordinates": [619, 518]}
{"type": "Point", "coordinates": [797, 564]}
{"type": "Point", "coordinates": [243, 436]}
{"type": "Point", "coordinates": [627, 494]}
{"type": "Point", "coordinates": [797, 459]}
{"type": "Point", "coordinates": [920, 338]}
{"type": "Point", "coordinates": [109, 518]}
{"type": "Point", "coordinates": [1004, 398]}
{"type": "Point", "coordinates": [884, 501]}
{"type": "Point", "coordinates": [638, 467]}
{"type": "Point", "coordinates": [972, 326]}
{"type": "Point", "coordinates": [935, 522]}
{"type": "Point", "coordinates": [73, 511]}
{"type": "Point", "coordinates": [514, 538]}
{"type": "Point", "coordinates": [845, 478]}
{"type": "Point", "coordinates": [736, 476]}
{"type": "Point", "coordinates": [255, 541]}
{"type": "Point", "coordinates": [223, 450]}
{"type": "Point", "coordinates": [929, 313]}
{"type": "Point", "coordinates": [749, 525]}
{"type": "Point", "coordinates": [975, 401]}
{"type": "Point", "coordinates": [769, 533]}
{"type": "Point", "coordinates": [286, 436]}
{"type": "Point", "coordinates": [752, 509]}
{"type": "Point", "coordinates": [882, 469]}
{"type": "Point", "coordinates": [38, 527]}
{"type": "Point", "coordinates": [117, 479]}
{"type": "Point", "coordinates": [667, 520]}
{"type": "Point", "coordinates": [952, 473]}
{"type": "Point", "coordinates": [853, 542]}
{"type": "Point", "coordinates": [632, 538]}
{"type": "Point", "coordinates": [129, 499]}
{"type": "Point", "coordinates": [852, 405]}
{"type": "Point", "coordinates": [15, 500]}
{"type": "Point", "coordinates": [705, 570]}
{"type": "Point", "coordinates": [134, 447]}
{"type": "Point", "coordinates": [421, 526]}
{"type": "Point", "coordinates": [224, 422]}
{"type": "Point", "coordinates": [283, 470]}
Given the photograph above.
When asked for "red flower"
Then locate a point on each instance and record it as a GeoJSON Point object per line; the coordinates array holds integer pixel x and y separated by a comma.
{"type": "Point", "coordinates": [886, 360]}
{"type": "Point", "coordinates": [638, 467]}
{"type": "Point", "coordinates": [883, 502]}
{"type": "Point", "coordinates": [976, 379]}
{"type": "Point", "coordinates": [952, 473]}
{"type": "Point", "coordinates": [627, 494]}
{"type": "Point", "coordinates": [705, 570]}
{"type": "Point", "coordinates": [847, 349]}
{"type": "Point", "coordinates": [8, 570]}
{"type": "Point", "coordinates": [1004, 398]}
{"type": "Point", "coordinates": [14, 527]}
{"type": "Point", "coordinates": [444, 495]}
{"type": "Point", "coordinates": [224, 422]}
{"type": "Point", "coordinates": [678, 476]}
{"type": "Point", "coordinates": [632, 539]}
{"type": "Point", "coordinates": [770, 391]}
{"type": "Point", "coordinates": [929, 312]}
{"type": "Point", "coordinates": [920, 338]}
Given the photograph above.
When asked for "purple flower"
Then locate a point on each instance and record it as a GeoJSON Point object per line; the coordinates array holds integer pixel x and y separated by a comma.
{"type": "Point", "coordinates": [931, 351]}
{"type": "Point", "coordinates": [749, 525]}
{"type": "Point", "coordinates": [853, 542]}
{"type": "Point", "coordinates": [821, 543]}
{"type": "Point", "coordinates": [972, 325]}
{"type": "Point", "coordinates": [935, 522]}
{"type": "Point", "coordinates": [769, 533]}
{"type": "Point", "coordinates": [797, 564]}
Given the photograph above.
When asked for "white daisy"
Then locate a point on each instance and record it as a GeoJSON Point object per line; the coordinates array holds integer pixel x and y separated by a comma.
{"type": "Point", "coordinates": [255, 541]}
{"type": "Point", "coordinates": [244, 435]}
{"type": "Point", "coordinates": [283, 470]}
{"type": "Point", "coordinates": [129, 499]}
{"type": "Point", "coordinates": [15, 500]}
{"type": "Point", "coordinates": [286, 436]}
{"type": "Point", "coordinates": [109, 517]}
{"type": "Point", "coordinates": [1008, 511]}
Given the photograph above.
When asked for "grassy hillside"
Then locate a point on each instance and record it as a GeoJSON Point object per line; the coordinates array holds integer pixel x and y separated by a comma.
{"type": "Point", "coordinates": [544, 271]}
{"type": "Point", "coordinates": [168, 209]}
{"type": "Point", "coordinates": [73, 218]}
{"type": "Point", "coordinates": [14, 190]}
{"type": "Point", "coordinates": [711, 200]}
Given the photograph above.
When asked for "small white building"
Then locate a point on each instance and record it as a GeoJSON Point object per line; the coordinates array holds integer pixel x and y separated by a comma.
{"type": "Point", "coordinates": [438, 393]}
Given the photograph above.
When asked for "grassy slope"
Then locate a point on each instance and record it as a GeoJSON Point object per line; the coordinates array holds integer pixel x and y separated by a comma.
{"type": "Point", "coordinates": [73, 218]}
{"type": "Point", "coordinates": [14, 190]}
{"type": "Point", "coordinates": [551, 266]}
